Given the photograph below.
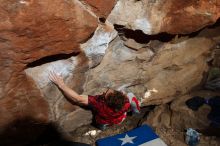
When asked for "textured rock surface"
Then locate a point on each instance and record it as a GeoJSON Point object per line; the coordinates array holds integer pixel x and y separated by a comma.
{"type": "Point", "coordinates": [96, 47]}
{"type": "Point", "coordinates": [171, 121]}
{"type": "Point", "coordinates": [40, 36]}
{"type": "Point", "coordinates": [101, 8]}
{"type": "Point", "coordinates": [73, 71]}
{"type": "Point", "coordinates": [30, 31]}
{"type": "Point", "coordinates": [130, 43]}
{"type": "Point", "coordinates": [173, 69]}
{"type": "Point", "coordinates": [171, 16]}
{"type": "Point", "coordinates": [177, 70]}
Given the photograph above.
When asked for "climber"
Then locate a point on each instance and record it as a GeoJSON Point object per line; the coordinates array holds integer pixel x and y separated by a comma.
{"type": "Point", "coordinates": [109, 108]}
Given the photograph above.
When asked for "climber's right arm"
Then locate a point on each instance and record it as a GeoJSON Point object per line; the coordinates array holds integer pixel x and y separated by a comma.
{"type": "Point", "coordinates": [70, 94]}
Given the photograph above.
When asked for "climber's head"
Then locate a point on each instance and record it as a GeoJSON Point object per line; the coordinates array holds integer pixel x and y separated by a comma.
{"type": "Point", "coordinates": [115, 99]}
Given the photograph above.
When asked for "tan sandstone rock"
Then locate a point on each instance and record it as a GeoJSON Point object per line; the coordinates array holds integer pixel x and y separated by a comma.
{"type": "Point", "coordinates": [36, 36]}
{"type": "Point", "coordinates": [130, 43]}
{"type": "Point", "coordinates": [73, 70]}
{"type": "Point", "coordinates": [156, 78]}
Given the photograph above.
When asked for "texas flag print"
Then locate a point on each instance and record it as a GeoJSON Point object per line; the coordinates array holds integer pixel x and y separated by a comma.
{"type": "Point", "coordinates": [141, 136]}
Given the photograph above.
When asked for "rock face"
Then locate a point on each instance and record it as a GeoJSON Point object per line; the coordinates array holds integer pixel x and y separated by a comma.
{"type": "Point", "coordinates": [172, 70]}
{"type": "Point", "coordinates": [171, 16]}
{"type": "Point", "coordinates": [101, 8]}
{"type": "Point", "coordinates": [68, 38]}
{"type": "Point", "coordinates": [30, 31]}
{"type": "Point", "coordinates": [73, 70]}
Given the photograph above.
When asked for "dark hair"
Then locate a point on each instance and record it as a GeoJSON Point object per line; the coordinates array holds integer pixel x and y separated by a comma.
{"type": "Point", "coordinates": [116, 100]}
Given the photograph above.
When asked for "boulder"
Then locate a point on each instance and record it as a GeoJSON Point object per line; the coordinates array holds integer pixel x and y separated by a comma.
{"type": "Point", "coordinates": [171, 16]}
{"type": "Point", "coordinates": [32, 30]}
{"type": "Point", "coordinates": [100, 8]}
{"type": "Point", "coordinates": [181, 72]}
{"type": "Point", "coordinates": [66, 37]}
{"type": "Point", "coordinates": [33, 33]}
{"type": "Point", "coordinates": [156, 77]}
{"type": "Point", "coordinates": [73, 70]}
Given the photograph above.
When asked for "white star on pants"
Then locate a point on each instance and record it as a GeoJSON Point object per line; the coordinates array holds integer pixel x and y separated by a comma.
{"type": "Point", "coordinates": [127, 139]}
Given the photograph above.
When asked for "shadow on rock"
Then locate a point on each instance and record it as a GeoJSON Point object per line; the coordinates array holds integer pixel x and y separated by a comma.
{"type": "Point", "coordinates": [29, 132]}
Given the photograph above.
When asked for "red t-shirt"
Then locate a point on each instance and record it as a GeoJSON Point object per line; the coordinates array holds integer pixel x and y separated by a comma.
{"type": "Point", "coordinates": [104, 114]}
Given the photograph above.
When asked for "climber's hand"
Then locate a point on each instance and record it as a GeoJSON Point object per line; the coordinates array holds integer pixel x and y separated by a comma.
{"type": "Point", "coordinates": [56, 79]}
